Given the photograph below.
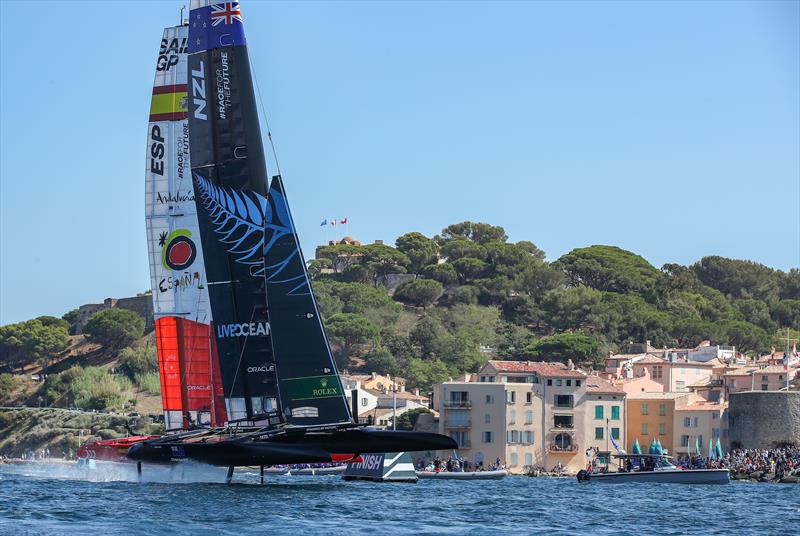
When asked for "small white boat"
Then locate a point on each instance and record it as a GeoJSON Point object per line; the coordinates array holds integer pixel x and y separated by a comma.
{"type": "Point", "coordinates": [464, 475]}
{"type": "Point", "coordinates": [654, 468]}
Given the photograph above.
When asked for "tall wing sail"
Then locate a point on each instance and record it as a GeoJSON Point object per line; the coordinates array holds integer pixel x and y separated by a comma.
{"type": "Point", "coordinates": [311, 393]}
{"type": "Point", "coordinates": [229, 175]}
{"type": "Point", "coordinates": [190, 380]}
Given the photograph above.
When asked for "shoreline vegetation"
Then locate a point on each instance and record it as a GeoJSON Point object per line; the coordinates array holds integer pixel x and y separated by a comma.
{"type": "Point", "coordinates": [427, 309]}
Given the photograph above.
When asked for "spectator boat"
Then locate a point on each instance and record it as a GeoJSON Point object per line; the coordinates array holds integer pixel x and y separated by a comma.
{"type": "Point", "coordinates": [652, 468]}
{"type": "Point", "coordinates": [463, 475]}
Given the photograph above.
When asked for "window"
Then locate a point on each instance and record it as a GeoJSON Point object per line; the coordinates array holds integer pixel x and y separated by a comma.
{"type": "Point", "coordinates": [529, 417]}
{"type": "Point", "coordinates": [615, 433]}
{"type": "Point", "coordinates": [680, 386]}
{"type": "Point", "coordinates": [598, 412]}
{"type": "Point", "coordinates": [487, 437]}
{"type": "Point", "coordinates": [569, 383]}
{"type": "Point", "coordinates": [527, 437]}
{"type": "Point", "coordinates": [764, 379]}
{"type": "Point", "coordinates": [687, 422]}
{"type": "Point", "coordinates": [577, 383]}
{"type": "Point", "coordinates": [645, 408]}
{"type": "Point", "coordinates": [528, 458]}
{"type": "Point", "coordinates": [662, 410]}
{"type": "Point", "coordinates": [714, 416]}
{"type": "Point", "coordinates": [715, 433]}
{"type": "Point", "coordinates": [614, 413]}
{"type": "Point", "coordinates": [549, 382]}
{"type": "Point", "coordinates": [700, 439]}
{"type": "Point", "coordinates": [558, 383]}
{"type": "Point", "coordinates": [684, 440]}
{"type": "Point", "coordinates": [458, 398]}
{"type": "Point", "coordinates": [457, 419]}
{"type": "Point", "coordinates": [514, 458]}
{"type": "Point", "coordinates": [657, 372]}
{"type": "Point", "coordinates": [562, 442]}
{"type": "Point", "coordinates": [460, 438]}
{"type": "Point", "coordinates": [535, 379]}
{"type": "Point", "coordinates": [562, 421]}
{"type": "Point", "coordinates": [563, 401]}
{"type": "Point", "coordinates": [696, 422]}
{"type": "Point", "coordinates": [764, 387]}
{"type": "Point", "coordinates": [662, 429]}
{"type": "Point", "coordinates": [490, 399]}
{"type": "Point", "coordinates": [598, 432]}
{"type": "Point", "coordinates": [512, 416]}
{"type": "Point", "coordinates": [528, 397]}
{"type": "Point", "coordinates": [364, 402]}
{"type": "Point", "coordinates": [511, 397]}
{"type": "Point", "coordinates": [487, 418]}
{"type": "Point", "coordinates": [645, 430]}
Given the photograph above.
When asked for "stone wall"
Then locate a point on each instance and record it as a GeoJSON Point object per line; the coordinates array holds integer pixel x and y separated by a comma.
{"type": "Point", "coordinates": [141, 304]}
{"type": "Point", "coordinates": [764, 419]}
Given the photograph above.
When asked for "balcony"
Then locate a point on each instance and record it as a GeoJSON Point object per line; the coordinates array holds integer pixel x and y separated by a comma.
{"type": "Point", "coordinates": [565, 449]}
{"type": "Point", "coordinates": [458, 425]}
{"type": "Point", "coordinates": [562, 428]}
{"type": "Point", "coordinates": [457, 404]}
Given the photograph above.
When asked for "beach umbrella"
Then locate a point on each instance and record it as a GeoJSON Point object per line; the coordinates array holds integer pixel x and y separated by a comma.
{"type": "Point", "coordinates": [652, 448]}
{"type": "Point", "coordinates": [718, 449]}
{"type": "Point", "coordinates": [636, 448]}
{"type": "Point", "coordinates": [711, 449]}
{"type": "Point", "coordinates": [697, 449]}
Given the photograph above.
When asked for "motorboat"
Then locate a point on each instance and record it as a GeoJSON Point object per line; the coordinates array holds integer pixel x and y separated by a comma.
{"type": "Point", "coordinates": [651, 468]}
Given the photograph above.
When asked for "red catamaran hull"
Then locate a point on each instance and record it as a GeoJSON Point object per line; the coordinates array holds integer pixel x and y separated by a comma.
{"type": "Point", "coordinates": [110, 450]}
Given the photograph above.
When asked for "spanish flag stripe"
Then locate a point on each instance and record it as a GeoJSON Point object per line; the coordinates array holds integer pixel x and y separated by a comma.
{"type": "Point", "coordinates": [178, 88]}
{"type": "Point", "coordinates": [168, 103]}
{"type": "Point", "coordinates": [176, 116]}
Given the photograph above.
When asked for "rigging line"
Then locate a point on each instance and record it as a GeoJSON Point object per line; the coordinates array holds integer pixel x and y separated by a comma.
{"type": "Point", "coordinates": [241, 355]}
{"type": "Point", "coordinates": [264, 115]}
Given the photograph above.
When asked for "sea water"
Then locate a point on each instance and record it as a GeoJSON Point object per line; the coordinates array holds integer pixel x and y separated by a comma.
{"type": "Point", "coordinates": [110, 499]}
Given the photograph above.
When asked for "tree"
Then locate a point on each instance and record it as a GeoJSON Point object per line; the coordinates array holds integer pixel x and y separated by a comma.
{"type": "Point", "coordinates": [480, 233]}
{"type": "Point", "coordinates": [7, 385]}
{"type": "Point", "coordinates": [350, 333]}
{"type": "Point", "coordinates": [138, 361]}
{"type": "Point", "coordinates": [756, 312]}
{"type": "Point", "coordinates": [340, 257]}
{"type": "Point", "coordinates": [566, 346]}
{"type": "Point", "coordinates": [32, 341]}
{"type": "Point", "coordinates": [787, 313]}
{"type": "Point", "coordinates": [459, 248]}
{"type": "Point", "coordinates": [382, 260]}
{"type": "Point", "coordinates": [748, 338]}
{"type": "Point", "coordinates": [382, 361]}
{"type": "Point", "coordinates": [444, 273]}
{"type": "Point", "coordinates": [608, 268]}
{"type": "Point", "coordinates": [537, 278]}
{"type": "Point", "coordinates": [570, 308]}
{"type": "Point", "coordinates": [423, 374]}
{"type": "Point", "coordinates": [738, 278]}
{"type": "Point", "coordinates": [469, 268]}
{"type": "Point", "coordinates": [114, 328]}
{"type": "Point", "coordinates": [422, 292]}
{"type": "Point", "coordinates": [531, 249]}
{"type": "Point", "coordinates": [420, 250]}
{"type": "Point", "coordinates": [408, 419]}
{"type": "Point", "coordinates": [790, 285]}
{"type": "Point", "coordinates": [71, 318]}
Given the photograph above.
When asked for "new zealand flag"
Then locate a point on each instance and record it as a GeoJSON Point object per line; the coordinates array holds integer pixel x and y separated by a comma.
{"type": "Point", "coordinates": [215, 26]}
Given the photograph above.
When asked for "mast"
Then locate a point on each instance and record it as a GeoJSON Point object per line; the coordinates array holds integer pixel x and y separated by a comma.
{"type": "Point", "coordinates": [230, 183]}
{"type": "Point", "coordinates": [180, 299]}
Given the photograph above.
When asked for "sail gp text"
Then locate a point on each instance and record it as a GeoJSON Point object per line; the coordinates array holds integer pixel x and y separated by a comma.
{"type": "Point", "coordinates": [254, 329]}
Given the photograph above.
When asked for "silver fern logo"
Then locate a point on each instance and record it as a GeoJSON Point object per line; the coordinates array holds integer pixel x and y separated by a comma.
{"type": "Point", "coordinates": [239, 219]}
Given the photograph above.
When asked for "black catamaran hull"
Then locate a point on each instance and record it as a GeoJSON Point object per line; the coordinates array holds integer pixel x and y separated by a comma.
{"type": "Point", "coordinates": [285, 448]}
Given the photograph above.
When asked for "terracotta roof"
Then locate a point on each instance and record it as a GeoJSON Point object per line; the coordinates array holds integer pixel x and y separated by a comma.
{"type": "Point", "coordinates": [549, 370]}
{"type": "Point", "coordinates": [656, 396]}
{"type": "Point", "coordinates": [625, 356]}
{"type": "Point", "coordinates": [702, 405]}
{"type": "Point", "coordinates": [650, 358]}
{"type": "Point", "coordinates": [772, 369]}
{"type": "Point", "coordinates": [595, 384]}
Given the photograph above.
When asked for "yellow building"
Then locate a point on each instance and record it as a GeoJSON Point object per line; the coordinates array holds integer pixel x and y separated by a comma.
{"type": "Point", "coordinates": [652, 416]}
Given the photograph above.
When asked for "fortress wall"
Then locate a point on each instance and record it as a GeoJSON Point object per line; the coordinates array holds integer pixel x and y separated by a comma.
{"type": "Point", "coordinates": [764, 419]}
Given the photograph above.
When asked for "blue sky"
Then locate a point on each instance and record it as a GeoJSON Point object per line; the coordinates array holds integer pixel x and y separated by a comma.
{"type": "Point", "coordinates": [669, 129]}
